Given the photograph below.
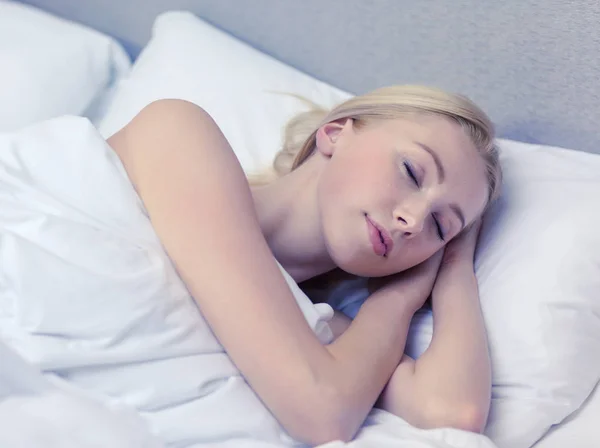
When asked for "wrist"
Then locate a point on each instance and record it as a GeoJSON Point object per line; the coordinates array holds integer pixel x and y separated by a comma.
{"type": "Point", "coordinates": [455, 271]}
{"type": "Point", "coordinates": [457, 263]}
{"type": "Point", "coordinates": [392, 304]}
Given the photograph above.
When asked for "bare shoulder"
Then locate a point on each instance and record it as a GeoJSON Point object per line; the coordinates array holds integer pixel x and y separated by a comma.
{"type": "Point", "coordinates": [169, 112]}
{"type": "Point", "coordinates": [163, 117]}
{"type": "Point", "coordinates": [171, 128]}
{"type": "Point", "coordinates": [166, 121]}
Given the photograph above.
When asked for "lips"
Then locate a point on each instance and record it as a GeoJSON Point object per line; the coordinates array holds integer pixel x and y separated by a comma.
{"type": "Point", "coordinates": [380, 238]}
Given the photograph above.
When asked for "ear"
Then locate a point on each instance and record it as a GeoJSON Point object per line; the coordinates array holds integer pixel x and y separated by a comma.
{"type": "Point", "coordinates": [329, 135]}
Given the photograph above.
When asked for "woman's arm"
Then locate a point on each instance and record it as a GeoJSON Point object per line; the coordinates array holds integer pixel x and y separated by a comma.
{"type": "Point", "coordinates": [201, 207]}
{"type": "Point", "coordinates": [450, 384]}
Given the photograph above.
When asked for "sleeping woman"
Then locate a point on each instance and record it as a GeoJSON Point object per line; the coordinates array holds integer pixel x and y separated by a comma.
{"type": "Point", "coordinates": [388, 185]}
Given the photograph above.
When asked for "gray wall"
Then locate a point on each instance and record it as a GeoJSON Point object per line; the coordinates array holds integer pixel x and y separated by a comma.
{"type": "Point", "coordinates": [533, 65]}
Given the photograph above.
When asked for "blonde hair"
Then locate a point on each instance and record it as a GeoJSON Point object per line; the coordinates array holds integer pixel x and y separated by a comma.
{"type": "Point", "coordinates": [390, 103]}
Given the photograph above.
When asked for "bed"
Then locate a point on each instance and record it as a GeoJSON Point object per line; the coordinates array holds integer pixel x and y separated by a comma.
{"type": "Point", "coordinates": [532, 66]}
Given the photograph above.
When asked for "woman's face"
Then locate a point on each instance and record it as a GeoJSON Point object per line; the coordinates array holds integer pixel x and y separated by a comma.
{"type": "Point", "coordinates": [394, 192]}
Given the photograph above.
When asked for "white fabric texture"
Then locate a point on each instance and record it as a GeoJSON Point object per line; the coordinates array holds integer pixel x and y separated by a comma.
{"type": "Point", "coordinates": [51, 66]}
{"type": "Point", "coordinates": [38, 410]}
{"type": "Point", "coordinates": [579, 430]}
{"type": "Point", "coordinates": [103, 329]}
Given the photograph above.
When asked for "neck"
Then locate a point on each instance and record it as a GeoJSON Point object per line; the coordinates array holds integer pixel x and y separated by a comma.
{"type": "Point", "coordinates": [288, 214]}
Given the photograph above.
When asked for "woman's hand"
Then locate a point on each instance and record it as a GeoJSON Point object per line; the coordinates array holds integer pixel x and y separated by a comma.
{"type": "Point", "coordinates": [413, 285]}
{"type": "Point", "coordinates": [462, 248]}
{"type": "Point", "coordinates": [458, 259]}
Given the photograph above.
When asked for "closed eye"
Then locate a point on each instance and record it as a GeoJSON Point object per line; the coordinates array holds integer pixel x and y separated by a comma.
{"type": "Point", "coordinates": [411, 173]}
{"type": "Point", "coordinates": [439, 229]}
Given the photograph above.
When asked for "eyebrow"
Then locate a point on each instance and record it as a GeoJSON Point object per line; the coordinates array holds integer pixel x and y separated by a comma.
{"type": "Point", "coordinates": [441, 177]}
{"type": "Point", "coordinates": [438, 163]}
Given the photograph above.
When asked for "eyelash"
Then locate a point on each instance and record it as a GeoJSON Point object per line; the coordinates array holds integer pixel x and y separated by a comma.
{"type": "Point", "coordinates": [439, 229]}
{"type": "Point", "coordinates": [411, 174]}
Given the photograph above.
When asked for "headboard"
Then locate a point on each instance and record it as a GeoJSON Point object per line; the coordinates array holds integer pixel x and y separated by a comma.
{"type": "Point", "coordinates": [533, 65]}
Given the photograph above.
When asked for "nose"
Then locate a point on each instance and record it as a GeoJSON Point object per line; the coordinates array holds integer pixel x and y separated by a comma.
{"type": "Point", "coordinates": [410, 220]}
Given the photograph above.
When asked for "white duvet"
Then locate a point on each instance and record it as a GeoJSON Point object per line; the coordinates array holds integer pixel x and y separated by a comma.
{"type": "Point", "coordinates": [101, 344]}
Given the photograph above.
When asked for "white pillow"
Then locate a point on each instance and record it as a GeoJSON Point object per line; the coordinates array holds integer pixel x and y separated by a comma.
{"type": "Point", "coordinates": [189, 59]}
{"type": "Point", "coordinates": [538, 268]}
{"type": "Point", "coordinates": [52, 67]}
{"type": "Point", "coordinates": [538, 277]}
{"type": "Point", "coordinates": [539, 274]}
{"type": "Point", "coordinates": [580, 430]}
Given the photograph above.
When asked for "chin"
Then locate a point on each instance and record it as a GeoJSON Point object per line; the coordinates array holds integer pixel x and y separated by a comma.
{"type": "Point", "coordinates": [373, 266]}
{"type": "Point", "coordinates": [365, 267]}
{"type": "Point", "coordinates": [350, 263]}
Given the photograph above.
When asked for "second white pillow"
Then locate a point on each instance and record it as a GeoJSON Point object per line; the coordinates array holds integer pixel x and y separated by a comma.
{"type": "Point", "coordinates": [244, 90]}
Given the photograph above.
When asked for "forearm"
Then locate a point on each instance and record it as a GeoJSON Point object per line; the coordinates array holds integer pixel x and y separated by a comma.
{"type": "Point", "coordinates": [450, 384]}
{"type": "Point", "coordinates": [366, 355]}
{"type": "Point", "coordinates": [458, 361]}
{"type": "Point", "coordinates": [368, 352]}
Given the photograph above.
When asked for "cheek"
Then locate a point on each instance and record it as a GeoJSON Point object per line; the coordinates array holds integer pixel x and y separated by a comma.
{"type": "Point", "coordinates": [336, 173]}
{"type": "Point", "coordinates": [345, 182]}
{"type": "Point", "coordinates": [331, 191]}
